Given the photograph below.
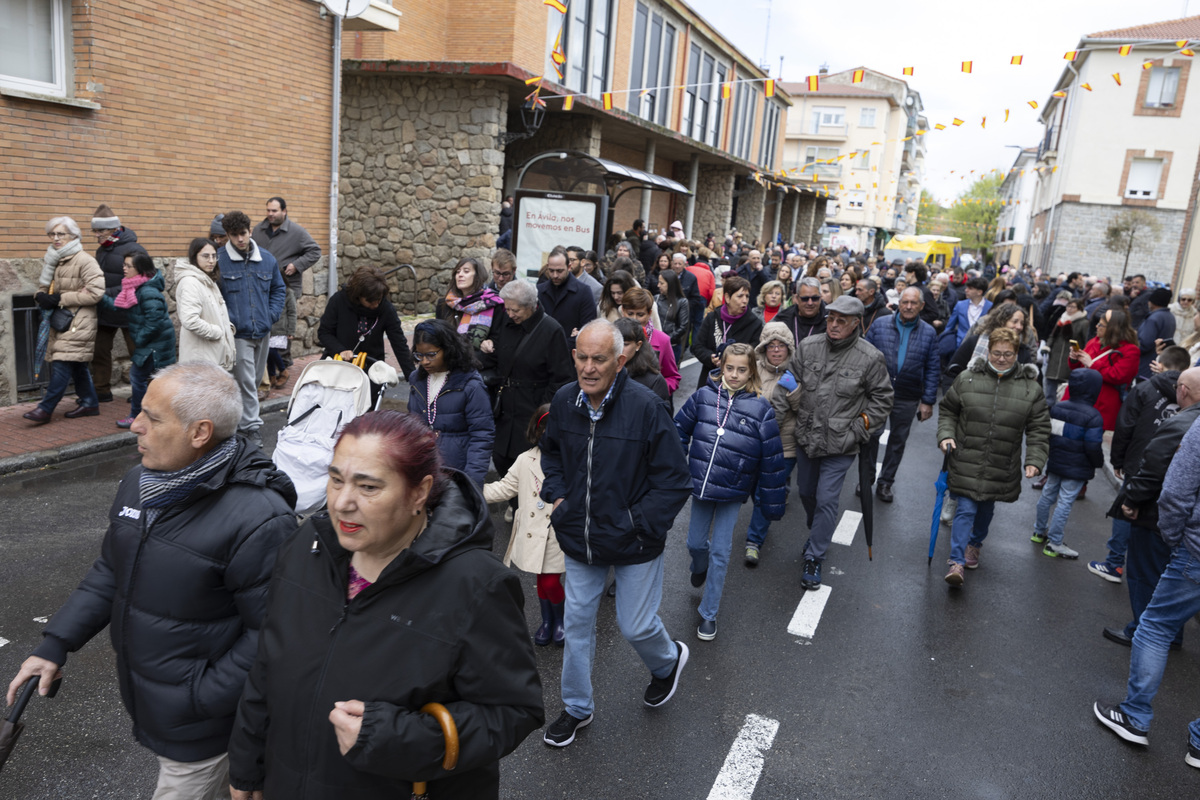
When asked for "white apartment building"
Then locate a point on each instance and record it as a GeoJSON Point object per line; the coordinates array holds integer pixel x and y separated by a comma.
{"type": "Point", "coordinates": [1017, 194]}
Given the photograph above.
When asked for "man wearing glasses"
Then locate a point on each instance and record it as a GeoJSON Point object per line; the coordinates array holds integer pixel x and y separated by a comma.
{"type": "Point", "coordinates": [806, 316]}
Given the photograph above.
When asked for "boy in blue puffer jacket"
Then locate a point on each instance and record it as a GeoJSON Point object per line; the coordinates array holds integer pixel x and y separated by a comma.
{"type": "Point", "coordinates": [733, 446]}
{"type": "Point", "coordinates": [1076, 431]}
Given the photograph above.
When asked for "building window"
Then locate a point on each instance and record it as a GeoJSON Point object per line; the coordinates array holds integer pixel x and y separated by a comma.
{"type": "Point", "coordinates": [1164, 83]}
{"type": "Point", "coordinates": [855, 200]}
{"type": "Point", "coordinates": [745, 109]}
{"type": "Point", "coordinates": [586, 46]}
{"type": "Point", "coordinates": [866, 118]}
{"type": "Point", "coordinates": [770, 136]}
{"type": "Point", "coordinates": [824, 154]}
{"type": "Point", "coordinates": [827, 117]}
{"type": "Point", "coordinates": [33, 46]}
{"type": "Point", "coordinates": [1144, 175]}
{"type": "Point", "coordinates": [653, 60]}
{"type": "Point", "coordinates": [690, 91]}
{"type": "Point", "coordinates": [712, 133]}
{"type": "Point", "coordinates": [862, 160]}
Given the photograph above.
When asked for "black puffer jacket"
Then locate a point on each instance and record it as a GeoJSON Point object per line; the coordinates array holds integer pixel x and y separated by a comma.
{"type": "Point", "coordinates": [443, 623]}
{"type": "Point", "coordinates": [1147, 406]}
{"type": "Point", "coordinates": [1140, 491]}
{"type": "Point", "coordinates": [185, 600]}
{"type": "Point", "coordinates": [713, 332]}
{"type": "Point", "coordinates": [341, 324]}
{"type": "Point", "coordinates": [111, 259]}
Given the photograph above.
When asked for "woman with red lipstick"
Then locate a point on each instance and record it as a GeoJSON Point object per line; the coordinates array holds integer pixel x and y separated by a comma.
{"type": "Point", "coordinates": [388, 600]}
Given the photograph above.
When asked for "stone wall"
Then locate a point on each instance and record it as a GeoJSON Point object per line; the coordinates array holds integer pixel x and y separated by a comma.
{"type": "Point", "coordinates": [1079, 242]}
{"type": "Point", "coordinates": [422, 176]}
{"type": "Point", "coordinates": [561, 131]}
{"type": "Point", "coordinates": [714, 201]}
{"type": "Point", "coordinates": [809, 219]}
{"type": "Point", "coordinates": [750, 205]}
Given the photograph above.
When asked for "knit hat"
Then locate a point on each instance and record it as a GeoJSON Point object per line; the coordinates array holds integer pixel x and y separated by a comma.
{"type": "Point", "coordinates": [214, 227]}
{"type": "Point", "coordinates": [1161, 297]}
{"type": "Point", "coordinates": [104, 219]}
{"type": "Point", "coordinates": [775, 332]}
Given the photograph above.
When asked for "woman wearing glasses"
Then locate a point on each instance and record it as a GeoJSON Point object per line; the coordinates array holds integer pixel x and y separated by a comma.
{"type": "Point", "coordinates": [448, 392]}
{"type": "Point", "coordinates": [205, 332]}
{"type": "Point", "coordinates": [1184, 311]}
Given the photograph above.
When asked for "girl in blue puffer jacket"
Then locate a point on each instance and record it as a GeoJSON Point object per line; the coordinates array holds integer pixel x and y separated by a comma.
{"type": "Point", "coordinates": [733, 446]}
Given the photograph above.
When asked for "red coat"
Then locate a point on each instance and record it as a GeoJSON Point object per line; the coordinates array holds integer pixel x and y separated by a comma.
{"type": "Point", "coordinates": [1118, 369]}
{"type": "Point", "coordinates": [705, 281]}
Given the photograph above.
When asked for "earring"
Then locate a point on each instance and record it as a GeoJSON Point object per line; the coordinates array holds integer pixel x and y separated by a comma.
{"type": "Point", "coordinates": [416, 512]}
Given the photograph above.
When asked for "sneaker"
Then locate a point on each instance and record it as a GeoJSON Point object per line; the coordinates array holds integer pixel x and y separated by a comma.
{"type": "Point", "coordinates": [1192, 759]}
{"type": "Point", "coordinates": [1115, 720]}
{"type": "Point", "coordinates": [955, 576]}
{"type": "Point", "coordinates": [948, 509]}
{"type": "Point", "coordinates": [1106, 571]}
{"type": "Point", "coordinates": [812, 574]}
{"type": "Point", "coordinates": [1058, 551]}
{"type": "Point", "coordinates": [125, 423]}
{"type": "Point", "coordinates": [698, 578]}
{"type": "Point", "coordinates": [562, 732]}
{"type": "Point", "coordinates": [1038, 538]}
{"type": "Point", "coordinates": [707, 630]}
{"type": "Point", "coordinates": [508, 514]}
{"type": "Point", "coordinates": [751, 556]}
{"type": "Point", "coordinates": [971, 557]}
{"type": "Point", "coordinates": [661, 690]}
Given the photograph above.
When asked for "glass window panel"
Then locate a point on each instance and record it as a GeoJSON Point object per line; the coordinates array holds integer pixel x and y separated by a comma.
{"type": "Point", "coordinates": [27, 43]}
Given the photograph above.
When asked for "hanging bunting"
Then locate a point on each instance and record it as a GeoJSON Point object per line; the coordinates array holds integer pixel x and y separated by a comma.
{"type": "Point", "coordinates": [1059, 94]}
{"type": "Point", "coordinates": [557, 5]}
{"type": "Point", "coordinates": [1016, 60]}
{"type": "Point", "coordinates": [532, 81]}
{"type": "Point", "coordinates": [1188, 53]}
{"type": "Point", "coordinates": [1147, 64]}
{"type": "Point", "coordinates": [983, 123]}
{"type": "Point", "coordinates": [814, 83]}
{"type": "Point", "coordinates": [939, 127]}
{"type": "Point", "coordinates": [857, 77]}
{"type": "Point", "coordinates": [1181, 43]}
{"type": "Point", "coordinates": [1006, 115]}
{"type": "Point", "coordinates": [957, 122]}
{"type": "Point", "coordinates": [966, 66]}
{"type": "Point", "coordinates": [1087, 86]}
{"type": "Point", "coordinates": [769, 87]}
{"type": "Point", "coordinates": [1070, 55]}
{"type": "Point", "coordinates": [1033, 104]}
{"type": "Point", "coordinates": [907, 70]}
{"type": "Point", "coordinates": [607, 98]}
{"type": "Point", "coordinates": [1124, 49]}
{"type": "Point", "coordinates": [726, 91]}
{"type": "Point", "coordinates": [568, 102]}
{"type": "Point", "coordinates": [1117, 77]}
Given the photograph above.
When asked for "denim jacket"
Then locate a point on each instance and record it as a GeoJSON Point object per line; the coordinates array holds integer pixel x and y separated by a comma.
{"type": "Point", "coordinates": [254, 290]}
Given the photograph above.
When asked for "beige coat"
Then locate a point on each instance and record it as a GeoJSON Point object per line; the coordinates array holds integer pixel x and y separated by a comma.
{"type": "Point", "coordinates": [80, 283]}
{"type": "Point", "coordinates": [205, 332]}
{"type": "Point", "coordinates": [533, 546]}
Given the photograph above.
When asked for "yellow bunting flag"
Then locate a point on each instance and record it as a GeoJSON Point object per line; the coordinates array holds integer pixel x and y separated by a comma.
{"type": "Point", "coordinates": [814, 83]}
{"type": "Point", "coordinates": [568, 102]}
{"type": "Point", "coordinates": [1017, 60]}
{"type": "Point", "coordinates": [1059, 94]}
{"type": "Point", "coordinates": [1188, 53]}
{"type": "Point", "coordinates": [1070, 55]}
{"type": "Point", "coordinates": [966, 66]}
{"type": "Point", "coordinates": [957, 121]}
{"type": "Point", "coordinates": [726, 91]}
{"type": "Point", "coordinates": [607, 97]}
{"type": "Point", "coordinates": [1124, 49]}
{"type": "Point", "coordinates": [532, 81]}
{"type": "Point", "coordinates": [1087, 86]}
{"type": "Point", "coordinates": [1147, 64]}
{"type": "Point", "coordinates": [907, 70]}
{"type": "Point", "coordinates": [874, 185]}
{"type": "Point", "coordinates": [1033, 104]}
{"type": "Point", "coordinates": [1117, 77]}
{"type": "Point", "coordinates": [857, 77]}
{"type": "Point", "coordinates": [769, 87]}
{"type": "Point", "coordinates": [841, 186]}
{"type": "Point", "coordinates": [1006, 115]}
{"type": "Point", "coordinates": [939, 127]}
{"type": "Point", "coordinates": [1055, 169]}
{"type": "Point", "coordinates": [983, 124]}
{"type": "Point", "coordinates": [557, 5]}
{"type": "Point", "coordinates": [858, 186]}
{"type": "Point", "coordinates": [1181, 43]}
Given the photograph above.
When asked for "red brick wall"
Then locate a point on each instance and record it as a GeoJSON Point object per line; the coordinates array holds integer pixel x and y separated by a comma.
{"type": "Point", "coordinates": [205, 107]}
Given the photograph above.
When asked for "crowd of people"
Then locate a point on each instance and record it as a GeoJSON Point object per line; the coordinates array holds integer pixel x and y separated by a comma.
{"type": "Point", "coordinates": [569, 387]}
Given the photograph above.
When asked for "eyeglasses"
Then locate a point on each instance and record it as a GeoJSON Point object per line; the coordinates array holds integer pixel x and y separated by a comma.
{"type": "Point", "coordinates": [815, 299]}
{"type": "Point", "coordinates": [997, 355]}
{"type": "Point", "coordinates": [430, 356]}
{"type": "Point", "coordinates": [1187, 299]}
{"type": "Point", "coordinates": [57, 235]}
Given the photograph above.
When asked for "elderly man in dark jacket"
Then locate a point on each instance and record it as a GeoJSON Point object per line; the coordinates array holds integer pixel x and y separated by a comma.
{"type": "Point", "coordinates": [182, 577]}
{"type": "Point", "coordinates": [115, 242]}
{"type": "Point", "coordinates": [909, 344]}
{"type": "Point", "coordinates": [617, 476]}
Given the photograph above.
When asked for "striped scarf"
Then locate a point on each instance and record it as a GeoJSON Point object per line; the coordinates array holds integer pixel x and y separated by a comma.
{"type": "Point", "coordinates": [159, 490]}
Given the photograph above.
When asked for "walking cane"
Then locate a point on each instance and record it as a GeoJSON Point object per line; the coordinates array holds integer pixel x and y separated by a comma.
{"type": "Point", "coordinates": [450, 732]}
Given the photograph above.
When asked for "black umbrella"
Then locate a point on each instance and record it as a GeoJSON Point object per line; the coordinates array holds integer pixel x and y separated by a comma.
{"type": "Point", "coordinates": [10, 729]}
{"type": "Point", "coordinates": [866, 477]}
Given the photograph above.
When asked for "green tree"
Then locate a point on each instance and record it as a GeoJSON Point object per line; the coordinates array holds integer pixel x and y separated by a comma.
{"type": "Point", "coordinates": [976, 212]}
{"type": "Point", "coordinates": [1130, 228]}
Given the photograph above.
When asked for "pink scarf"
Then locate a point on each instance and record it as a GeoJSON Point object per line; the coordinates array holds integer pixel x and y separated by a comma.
{"type": "Point", "coordinates": [128, 295]}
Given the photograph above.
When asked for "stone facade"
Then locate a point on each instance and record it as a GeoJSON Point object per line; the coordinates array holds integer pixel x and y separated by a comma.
{"type": "Point", "coordinates": [714, 201]}
{"type": "Point", "coordinates": [564, 131]}
{"type": "Point", "coordinates": [750, 205]}
{"type": "Point", "coordinates": [809, 219]}
{"type": "Point", "coordinates": [1079, 243]}
{"type": "Point", "coordinates": [422, 177]}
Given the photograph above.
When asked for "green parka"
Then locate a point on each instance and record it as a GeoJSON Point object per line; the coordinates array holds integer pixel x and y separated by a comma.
{"type": "Point", "coordinates": [986, 414]}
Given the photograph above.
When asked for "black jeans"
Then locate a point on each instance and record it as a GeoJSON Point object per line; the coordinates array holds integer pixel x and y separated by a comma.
{"type": "Point", "coordinates": [1145, 560]}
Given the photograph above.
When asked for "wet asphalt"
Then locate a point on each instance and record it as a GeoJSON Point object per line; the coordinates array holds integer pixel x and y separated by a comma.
{"type": "Point", "coordinates": [906, 689]}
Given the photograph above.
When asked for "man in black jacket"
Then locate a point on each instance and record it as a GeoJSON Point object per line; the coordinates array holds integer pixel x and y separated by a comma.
{"type": "Point", "coordinates": [566, 299]}
{"type": "Point", "coordinates": [182, 577]}
{"type": "Point", "coordinates": [874, 302]}
{"type": "Point", "coordinates": [617, 476]}
{"type": "Point", "coordinates": [115, 242]}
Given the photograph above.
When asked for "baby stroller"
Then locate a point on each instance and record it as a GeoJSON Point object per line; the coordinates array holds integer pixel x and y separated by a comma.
{"type": "Point", "coordinates": [328, 394]}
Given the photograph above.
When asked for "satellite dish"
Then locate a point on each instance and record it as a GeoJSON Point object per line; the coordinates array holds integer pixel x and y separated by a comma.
{"type": "Point", "coordinates": [346, 8]}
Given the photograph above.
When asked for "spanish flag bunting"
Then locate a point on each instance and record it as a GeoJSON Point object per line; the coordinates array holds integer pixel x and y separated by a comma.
{"type": "Point", "coordinates": [557, 5]}
{"type": "Point", "coordinates": [857, 77]}
{"type": "Point", "coordinates": [813, 177]}
{"type": "Point", "coordinates": [939, 127]}
{"type": "Point", "coordinates": [769, 87]}
{"type": "Point", "coordinates": [1033, 104]}
{"type": "Point", "coordinates": [1059, 94]}
{"type": "Point", "coordinates": [874, 144]}
{"type": "Point", "coordinates": [568, 102]}
{"type": "Point", "coordinates": [966, 66]}
{"type": "Point", "coordinates": [1017, 60]}
{"type": "Point", "coordinates": [814, 83]}
{"type": "Point", "coordinates": [558, 68]}
{"type": "Point", "coordinates": [607, 97]}
{"type": "Point", "coordinates": [1188, 53]}
{"type": "Point", "coordinates": [841, 186]}
{"type": "Point", "coordinates": [1070, 55]}
{"type": "Point", "coordinates": [1006, 115]}
{"type": "Point", "coordinates": [907, 70]}
{"type": "Point", "coordinates": [983, 124]}
{"type": "Point", "coordinates": [1117, 78]}
{"type": "Point", "coordinates": [858, 186]}
{"type": "Point", "coordinates": [1087, 86]}
{"type": "Point", "coordinates": [726, 91]}
{"type": "Point", "coordinates": [874, 185]}
{"type": "Point", "coordinates": [1124, 49]}
{"type": "Point", "coordinates": [957, 121]}
{"type": "Point", "coordinates": [1181, 43]}
{"type": "Point", "coordinates": [1147, 64]}
{"type": "Point", "coordinates": [1054, 168]}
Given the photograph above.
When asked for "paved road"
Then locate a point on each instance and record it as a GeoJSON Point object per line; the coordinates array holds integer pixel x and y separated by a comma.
{"type": "Point", "coordinates": [904, 689]}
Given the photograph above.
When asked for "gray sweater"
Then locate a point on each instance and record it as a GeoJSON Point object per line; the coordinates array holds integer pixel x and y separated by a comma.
{"type": "Point", "coordinates": [1178, 509]}
{"type": "Point", "coordinates": [290, 244]}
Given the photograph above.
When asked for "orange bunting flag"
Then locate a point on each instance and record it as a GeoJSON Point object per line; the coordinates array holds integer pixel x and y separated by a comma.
{"type": "Point", "coordinates": [1124, 49]}
{"type": "Point", "coordinates": [1006, 115]}
{"type": "Point", "coordinates": [607, 97]}
{"type": "Point", "coordinates": [1188, 53]}
{"type": "Point", "coordinates": [1017, 60]}
{"type": "Point", "coordinates": [1070, 55]}
{"type": "Point", "coordinates": [726, 91]}
{"type": "Point", "coordinates": [1033, 104]}
{"type": "Point", "coordinates": [1117, 77]}
{"type": "Point", "coordinates": [814, 83]}
{"type": "Point", "coordinates": [769, 87]}
{"type": "Point", "coordinates": [957, 121]}
{"type": "Point", "coordinates": [1087, 86]}
{"type": "Point", "coordinates": [568, 102]}
{"type": "Point", "coordinates": [939, 127]}
{"type": "Point", "coordinates": [532, 81]}
{"type": "Point", "coordinates": [1147, 64]}
{"type": "Point", "coordinates": [857, 77]}
{"type": "Point", "coordinates": [557, 5]}
{"type": "Point", "coordinates": [907, 70]}
{"type": "Point", "coordinates": [983, 124]}
{"type": "Point", "coordinates": [1059, 94]}
{"type": "Point", "coordinates": [966, 66]}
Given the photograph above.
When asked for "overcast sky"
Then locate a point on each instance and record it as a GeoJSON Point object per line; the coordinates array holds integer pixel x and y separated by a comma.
{"type": "Point", "coordinates": [935, 36]}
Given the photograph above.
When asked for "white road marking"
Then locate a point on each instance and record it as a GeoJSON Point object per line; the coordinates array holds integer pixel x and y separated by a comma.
{"type": "Point", "coordinates": [42, 620]}
{"type": "Point", "coordinates": [687, 362]}
{"type": "Point", "coordinates": [878, 469]}
{"type": "Point", "coordinates": [808, 613]}
{"type": "Point", "coordinates": [743, 766]}
{"type": "Point", "coordinates": [3, 642]}
{"type": "Point", "coordinates": [847, 528]}
{"type": "Point", "coordinates": [883, 437]}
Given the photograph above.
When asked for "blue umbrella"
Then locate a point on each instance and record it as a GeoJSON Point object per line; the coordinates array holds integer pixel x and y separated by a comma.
{"type": "Point", "coordinates": [43, 340]}
{"type": "Point", "coordinates": [942, 479]}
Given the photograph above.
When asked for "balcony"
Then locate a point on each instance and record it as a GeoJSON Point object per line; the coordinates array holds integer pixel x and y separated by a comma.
{"type": "Point", "coordinates": [1048, 148]}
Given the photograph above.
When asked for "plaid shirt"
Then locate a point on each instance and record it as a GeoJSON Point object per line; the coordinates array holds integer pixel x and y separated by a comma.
{"type": "Point", "coordinates": [596, 414]}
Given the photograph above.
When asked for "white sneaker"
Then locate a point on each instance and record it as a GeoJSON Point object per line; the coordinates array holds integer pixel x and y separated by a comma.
{"type": "Point", "coordinates": [1058, 551]}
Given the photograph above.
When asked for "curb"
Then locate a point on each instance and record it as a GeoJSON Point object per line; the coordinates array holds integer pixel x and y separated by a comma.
{"type": "Point", "coordinates": [115, 441]}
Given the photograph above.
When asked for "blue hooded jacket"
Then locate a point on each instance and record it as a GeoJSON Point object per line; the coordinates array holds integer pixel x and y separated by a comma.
{"type": "Point", "coordinates": [462, 419]}
{"type": "Point", "coordinates": [1077, 429]}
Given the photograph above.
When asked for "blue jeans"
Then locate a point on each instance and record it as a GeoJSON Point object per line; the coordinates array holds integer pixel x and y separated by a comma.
{"type": "Point", "coordinates": [714, 558]}
{"type": "Point", "coordinates": [639, 592]}
{"type": "Point", "coordinates": [1148, 557]}
{"type": "Point", "coordinates": [971, 522]}
{"type": "Point", "coordinates": [139, 379]}
{"type": "Point", "coordinates": [1065, 491]}
{"type": "Point", "coordinates": [1176, 599]}
{"type": "Point", "coordinates": [1118, 543]}
{"type": "Point", "coordinates": [63, 373]}
{"type": "Point", "coordinates": [820, 483]}
{"type": "Point", "coordinates": [1050, 389]}
{"type": "Point", "coordinates": [756, 534]}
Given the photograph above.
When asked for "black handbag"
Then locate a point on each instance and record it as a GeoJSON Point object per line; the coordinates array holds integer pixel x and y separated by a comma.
{"type": "Point", "coordinates": [61, 319]}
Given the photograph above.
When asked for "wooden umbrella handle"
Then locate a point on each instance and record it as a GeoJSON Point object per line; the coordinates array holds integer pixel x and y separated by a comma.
{"type": "Point", "coordinates": [449, 730]}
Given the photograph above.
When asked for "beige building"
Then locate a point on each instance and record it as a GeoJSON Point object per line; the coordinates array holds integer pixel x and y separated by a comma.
{"type": "Point", "coordinates": [861, 142]}
{"type": "Point", "coordinates": [1110, 147]}
{"type": "Point", "coordinates": [1017, 195]}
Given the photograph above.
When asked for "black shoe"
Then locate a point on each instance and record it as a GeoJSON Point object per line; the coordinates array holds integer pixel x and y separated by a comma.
{"type": "Point", "coordinates": [562, 732]}
{"type": "Point", "coordinates": [1192, 759]}
{"type": "Point", "coordinates": [105, 398]}
{"type": "Point", "coordinates": [661, 690]}
{"type": "Point", "coordinates": [698, 578]}
{"type": "Point", "coordinates": [884, 492]}
{"type": "Point", "coordinates": [1118, 635]}
{"type": "Point", "coordinates": [812, 575]}
{"type": "Point", "coordinates": [83, 411]}
{"type": "Point", "coordinates": [1115, 720]}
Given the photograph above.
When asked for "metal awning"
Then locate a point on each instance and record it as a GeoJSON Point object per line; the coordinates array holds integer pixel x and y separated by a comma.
{"type": "Point", "coordinates": [574, 170]}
